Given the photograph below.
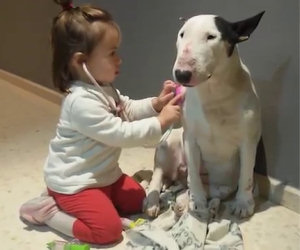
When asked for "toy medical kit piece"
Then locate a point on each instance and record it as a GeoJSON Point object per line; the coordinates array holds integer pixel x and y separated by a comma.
{"type": "Point", "coordinates": [138, 222]}
{"type": "Point", "coordinates": [63, 245]}
{"type": "Point", "coordinates": [178, 90]}
{"type": "Point", "coordinates": [130, 224]}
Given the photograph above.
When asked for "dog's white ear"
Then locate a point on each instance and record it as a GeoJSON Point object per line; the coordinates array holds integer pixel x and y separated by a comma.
{"type": "Point", "coordinates": [244, 28]}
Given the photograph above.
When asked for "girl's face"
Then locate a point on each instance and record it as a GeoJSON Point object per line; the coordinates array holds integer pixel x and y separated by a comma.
{"type": "Point", "coordinates": [104, 61]}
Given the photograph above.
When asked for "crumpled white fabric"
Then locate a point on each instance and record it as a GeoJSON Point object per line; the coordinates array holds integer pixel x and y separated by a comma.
{"type": "Point", "coordinates": [189, 232]}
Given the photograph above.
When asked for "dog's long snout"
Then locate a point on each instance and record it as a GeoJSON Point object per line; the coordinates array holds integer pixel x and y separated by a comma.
{"type": "Point", "coordinates": [183, 76]}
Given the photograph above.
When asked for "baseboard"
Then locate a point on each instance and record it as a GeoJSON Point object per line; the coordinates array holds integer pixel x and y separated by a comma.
{"type": "Point", "coordinates": [268, 187]}
{"type": "Point", "coordinates": [275, 191]}
{"type": "Point", "coordinates": [32, 87]}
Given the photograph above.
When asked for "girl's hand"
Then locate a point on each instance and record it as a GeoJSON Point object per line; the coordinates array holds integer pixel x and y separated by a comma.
{"type": "Point", "coordinates": [165, 95]}
{"type": "Point", "coordinates": [171, 113]}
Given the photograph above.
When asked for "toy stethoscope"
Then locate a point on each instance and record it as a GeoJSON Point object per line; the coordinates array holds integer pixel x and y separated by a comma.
{"type": "Point", "coordinates": [119, 107]}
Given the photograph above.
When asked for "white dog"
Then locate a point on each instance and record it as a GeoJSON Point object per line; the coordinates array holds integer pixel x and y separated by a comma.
{"type": "Point", "coordinates": [221, 112]}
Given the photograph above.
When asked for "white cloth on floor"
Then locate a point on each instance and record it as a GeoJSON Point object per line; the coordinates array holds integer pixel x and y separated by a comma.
{"type": "Point", "coordinates": [190, 232]}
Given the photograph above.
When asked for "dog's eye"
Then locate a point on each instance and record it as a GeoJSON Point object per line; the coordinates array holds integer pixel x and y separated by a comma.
{"type": "Point", "coordinates": [181, 34]}
{"type": "Point", "coordinates": [211, 37]}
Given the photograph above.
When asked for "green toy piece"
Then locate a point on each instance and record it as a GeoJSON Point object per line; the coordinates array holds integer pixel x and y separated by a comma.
{"type": "Point", "coordinates": [63, 245]}
{"type": "Point", "coordinates": [138, 222]}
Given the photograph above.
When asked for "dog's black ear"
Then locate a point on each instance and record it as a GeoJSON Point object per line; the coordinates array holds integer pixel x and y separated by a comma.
{"type": "Point", "coordinates": [244, 28]}
{"type": "Point", "coordinates": [237, 32]}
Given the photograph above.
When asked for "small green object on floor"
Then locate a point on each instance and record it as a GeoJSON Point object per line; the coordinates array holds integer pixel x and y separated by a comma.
{"type": "Point", "coordinates": [138, 222]}
{"type": "Point", "coordinates": [63, 245]}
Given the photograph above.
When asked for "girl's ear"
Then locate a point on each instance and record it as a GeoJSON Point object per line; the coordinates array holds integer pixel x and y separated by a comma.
{"type": "Point", "coordinates": [75, 65]}
{"type": "Point", "coordinates": [77, 59]}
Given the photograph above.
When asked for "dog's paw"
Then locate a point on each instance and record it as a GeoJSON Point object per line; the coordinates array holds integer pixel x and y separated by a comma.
{"type": "Point", "coordinates": [151, 204]}
{"type": "Point", "coordinates": [213, 207]}
{"type": "Point", "coordinates": [243, 205]}
{"type": "Point", "coordinates": [179, 209]}
{"type": "Point", "coordinates": [199, 206]}
{"type": "Point", "coordinates": [181, 205]}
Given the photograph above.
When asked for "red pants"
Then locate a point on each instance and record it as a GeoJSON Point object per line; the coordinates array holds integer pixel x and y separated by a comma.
{"type": "Point", "coordinates": [97, 209]}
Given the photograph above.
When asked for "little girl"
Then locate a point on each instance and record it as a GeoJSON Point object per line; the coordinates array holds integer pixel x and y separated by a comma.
{"type": "Point", "coordinates": [81, 172]}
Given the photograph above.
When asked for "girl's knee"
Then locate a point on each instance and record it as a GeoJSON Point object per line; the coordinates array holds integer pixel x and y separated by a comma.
{"type": "Point", "coordinates": [140, 196]}
{"type": "Point", "coordinates": [134, 203]}
{"type": "Point", "coordinates": [108, 233]}
{"type": "Point", "coordinates": [102, 231]}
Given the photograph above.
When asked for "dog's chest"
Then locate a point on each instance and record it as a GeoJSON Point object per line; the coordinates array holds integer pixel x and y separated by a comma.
{"type": "Point", "coordinates": [215, 122]}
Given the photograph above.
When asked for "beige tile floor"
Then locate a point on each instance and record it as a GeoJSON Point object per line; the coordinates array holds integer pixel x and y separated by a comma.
{"type": "Point", "coordinates": [26, 125]}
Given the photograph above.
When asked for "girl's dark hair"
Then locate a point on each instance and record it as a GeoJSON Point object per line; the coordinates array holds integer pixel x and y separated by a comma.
{"type": "Point", "coordinates": [73, 31]}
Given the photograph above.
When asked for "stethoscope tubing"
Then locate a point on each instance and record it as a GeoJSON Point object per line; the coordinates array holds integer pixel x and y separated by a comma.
{"type": "Point", "coordinates": [112, 105]}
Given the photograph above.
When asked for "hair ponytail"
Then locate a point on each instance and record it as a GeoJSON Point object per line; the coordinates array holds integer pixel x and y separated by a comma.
{"type": "Point", "coordinates": [65, 4]}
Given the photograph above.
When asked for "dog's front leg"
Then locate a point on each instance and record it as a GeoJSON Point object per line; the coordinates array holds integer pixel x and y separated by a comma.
{"type": "Point", "coordinates": [243, 206]}
{"type": "Point", "coordinates": [198, 200]}
{"type": "Point", "coordinates": [151, 204]}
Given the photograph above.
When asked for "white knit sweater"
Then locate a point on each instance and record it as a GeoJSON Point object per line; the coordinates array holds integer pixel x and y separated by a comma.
{"type": "Point", "coordinates": [89, 138]}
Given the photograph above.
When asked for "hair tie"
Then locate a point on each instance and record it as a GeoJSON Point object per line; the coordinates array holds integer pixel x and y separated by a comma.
{"type": "Point", "coordinates": [67, 6]}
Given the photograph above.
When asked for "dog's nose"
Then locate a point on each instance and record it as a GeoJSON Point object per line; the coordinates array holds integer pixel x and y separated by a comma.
{"type": "Point", "coordinates": [183, 76]}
